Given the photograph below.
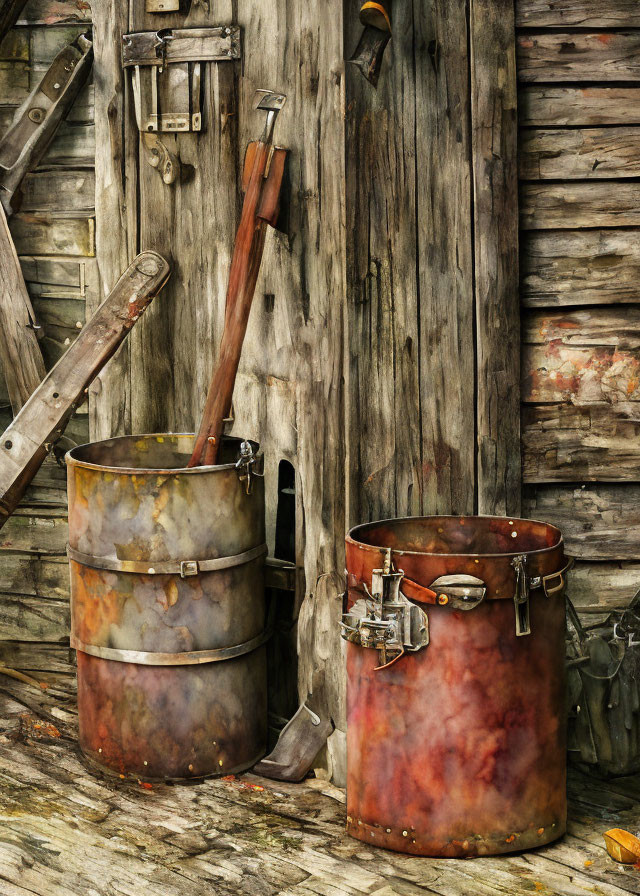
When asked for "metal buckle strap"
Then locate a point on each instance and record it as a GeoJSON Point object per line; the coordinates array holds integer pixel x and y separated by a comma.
{"type": "Point", "coordinates": [183, 568]}
{"type": "Point", "coordinates": [190, 658]}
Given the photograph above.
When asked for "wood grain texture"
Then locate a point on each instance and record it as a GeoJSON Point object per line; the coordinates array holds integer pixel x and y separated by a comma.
{"type": "Point", "coordinates": [578, 56]}
{"type": "Point", "coordinates": [549, 106]}
{"type": "Point", "coordinates": [577, 13]}
{"type": "Point", "coordinates": [565, 443]}
{"type": "Point", "coordinates": [598, 522]}
{"type": "Point", "coordinates": [444, 258]}
{"type": "Point", "coordinates": [579, 153]}
{"type": "Point", "coordinates": [384, 425]}
{"type": "Point", "coordinates": [581, 357]}
{"type": "Point", "coordinates": [69, 829]}
{"type": "Point", "coordinates": [495, 248]}
{"type": "Point", "coordinates": [116, 207]}
{"type": "Point", "coordinates": [194, 222]}
{"type": "Point", "coordinates": [597, 588]}
{"type": "Point", "coordinates": [20, 353]}
{"type": "Point", "coordinates": [580, 267]}
{"type": "Point", "coordinates": [53, 235]}
{"type": "Point", "coordinates": [573, 205]}
{"type": "Point", "coordinates": [50, 12]}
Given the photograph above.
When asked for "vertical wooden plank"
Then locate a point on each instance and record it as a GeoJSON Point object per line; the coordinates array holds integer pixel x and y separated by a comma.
{"type": "Point", "coordinates": [495, 192]}
{"type": "Point", "coordinates": [383, 401]}
{"type": "Point", "coordinates": [116, 206]}
{"type": "Point", "coordinates": [193, 221]}
{"type": "Point", "coordinates": [444, 256]}
{"type": "Point", "coordinates": [295, 333]}
{"type": "Point", "coordinates": [20, 353]}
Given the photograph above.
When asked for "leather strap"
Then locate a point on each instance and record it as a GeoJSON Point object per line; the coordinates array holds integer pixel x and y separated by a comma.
{"type": "Point", "coordinates": [417, 592]}
{"type": "Point", "coordinates": [183, 568]}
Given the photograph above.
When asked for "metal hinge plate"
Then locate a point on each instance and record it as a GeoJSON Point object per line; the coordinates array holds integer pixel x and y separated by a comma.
{"type": "Point", "coordinates": [167, 73]}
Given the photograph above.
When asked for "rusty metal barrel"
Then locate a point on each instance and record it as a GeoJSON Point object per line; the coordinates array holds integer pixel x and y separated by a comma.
{"type": "Point", "coordinates": [456, 742]}
{"type": "Point", "coordinates": [168, 606]}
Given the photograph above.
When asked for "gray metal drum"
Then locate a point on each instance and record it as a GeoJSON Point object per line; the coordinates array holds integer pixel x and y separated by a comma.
{"type": "Point", "coordinates": [168, 606]}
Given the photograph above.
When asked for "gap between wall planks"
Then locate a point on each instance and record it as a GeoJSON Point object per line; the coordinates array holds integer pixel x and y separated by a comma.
{"type": "Point", "coordinates": [579, 105]}
{"type": "Point", "coordinates": [378, 400]}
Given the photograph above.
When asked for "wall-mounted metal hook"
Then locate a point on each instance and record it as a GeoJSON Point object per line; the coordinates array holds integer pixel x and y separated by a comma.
{"type": "Point", "coordinates": [161, 158]}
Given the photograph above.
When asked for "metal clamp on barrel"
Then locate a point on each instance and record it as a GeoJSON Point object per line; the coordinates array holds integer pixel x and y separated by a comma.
{"type": "Point", "coordinates": [552, 584]}
{"type": "Point", "coordinates": [183, 568]}
{"type": "Point", "coordinates": [386, 620]}
{"type": "Point", "coordinates": [247, 466]}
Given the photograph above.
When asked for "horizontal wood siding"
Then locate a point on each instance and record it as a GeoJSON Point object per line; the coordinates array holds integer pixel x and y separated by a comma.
{"type": "Point", "coordinates": [579, 164]}
{"type": "Point", "coordinates": [54, 233]}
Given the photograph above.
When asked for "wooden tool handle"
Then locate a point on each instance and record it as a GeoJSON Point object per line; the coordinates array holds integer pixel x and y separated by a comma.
{"type": "Point", "coordinates": [27, 441]}
{"type": "Point", "coordinates": [259, 209]}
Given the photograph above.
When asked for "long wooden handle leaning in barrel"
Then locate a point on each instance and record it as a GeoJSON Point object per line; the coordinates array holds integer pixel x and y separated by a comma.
{"type": "Point", "coordinates": [27, 441]}
{"type": "Point", "coordinates": [263, 177]}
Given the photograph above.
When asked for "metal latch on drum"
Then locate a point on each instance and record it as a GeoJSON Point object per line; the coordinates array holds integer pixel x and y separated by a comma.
{"type": "Point", "coordinates": [167, 73]}
{"type": "Point", "coordinates": [246, 465]}
{"type": "Point", "coordinates": [386, 620]}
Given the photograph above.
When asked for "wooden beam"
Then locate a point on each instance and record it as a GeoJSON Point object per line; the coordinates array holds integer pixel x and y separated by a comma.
{"type": "Point", "coordinates": [20, 354]}
{"type": "Point", "coordinates": [584, 357]}
{"type": "Point", "coordinates": [573, 205]}
{"type": "Point", "coordinates": [116, 206]}
{"type": "Point", "coordinates": [444, 256]}
{"type": "Point", "coordinates": [383, 290]}
{"type": "Point", "coordinates": [549, 106]}
{"type": "Point", "coordinates": [580, 267]}
{"type": "Point", "coordinates": [577, 13]}
{"type": "Point", "coordinates": [599, 522]}
{"type": "Point", "coordinates": [579, 153]}
{"type": "Point", "coordinates": [596, 443]}
{"type": "Point", "coordinates": [578, 56]}
{"type": "Point", "coordinates": [495, 191]}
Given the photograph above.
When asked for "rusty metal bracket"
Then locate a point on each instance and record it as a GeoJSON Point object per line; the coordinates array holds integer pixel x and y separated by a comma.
{"type": "Point", "coordinates": [460, 592]}
{"type": "Point", "coordinates": [246, 466]}
{"type": "Point", "coordinates": [521, 596]}
{"type": "Point", "coordinates": [37, 119]}
{"type": "Point", "coordinates": [183, 568]}
{"type": "Point", "coordinates": [385, 620]}
{"type": "Point", "coordinates": [167, 68]}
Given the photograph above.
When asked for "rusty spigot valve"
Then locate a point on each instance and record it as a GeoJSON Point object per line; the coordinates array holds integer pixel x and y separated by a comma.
{"type": "Point", "coordinates": [386, 621]}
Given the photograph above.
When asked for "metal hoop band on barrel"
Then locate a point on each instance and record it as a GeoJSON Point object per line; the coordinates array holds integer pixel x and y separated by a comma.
{"type": "Point", "coordinates": [182, 568]}
{"type": "Point", "coordinates": [191, 658]}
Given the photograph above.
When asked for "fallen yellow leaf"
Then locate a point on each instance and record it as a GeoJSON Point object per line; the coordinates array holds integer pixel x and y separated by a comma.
{"type": "Point", "coordinates": [622, 846]}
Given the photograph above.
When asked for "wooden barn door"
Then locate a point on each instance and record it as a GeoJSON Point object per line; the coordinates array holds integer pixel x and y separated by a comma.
{"type": "Point", "coordinates": [381, 363]}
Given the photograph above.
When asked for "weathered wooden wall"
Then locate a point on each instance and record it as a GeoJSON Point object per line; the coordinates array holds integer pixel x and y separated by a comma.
{"type": "Point", "coordinates": [579, 159]}
{"type": "Point", "coordinates": [54, 233]}
{"type": "Point", "coordinates": [382, 358]}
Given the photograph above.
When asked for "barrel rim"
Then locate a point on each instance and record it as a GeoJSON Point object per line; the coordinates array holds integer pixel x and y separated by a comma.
{"type": "Point", "coordinates": [351, 539]}
{"type": "Point", "coordinates": [72, 461]}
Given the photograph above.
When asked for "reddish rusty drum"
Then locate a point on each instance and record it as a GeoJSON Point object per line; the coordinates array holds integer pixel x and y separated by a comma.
{"type": "Point", "coordinates": [167, 606]}
{"type": "Point", "coordinates": [456, 706]}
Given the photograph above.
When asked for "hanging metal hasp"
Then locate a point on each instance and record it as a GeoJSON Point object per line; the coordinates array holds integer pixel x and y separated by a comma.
{"type": "Point", "coordinates": [521, 595]}
{"type": "Point", "coordinates": [167, 73]}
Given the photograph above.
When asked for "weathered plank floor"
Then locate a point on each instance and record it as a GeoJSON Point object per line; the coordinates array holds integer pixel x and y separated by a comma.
{"type": "Point", "coordinates": [65, 831]}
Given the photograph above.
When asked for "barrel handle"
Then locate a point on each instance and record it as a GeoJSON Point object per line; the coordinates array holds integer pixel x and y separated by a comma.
{"type": "Point", "coordinates": [560, 577]}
